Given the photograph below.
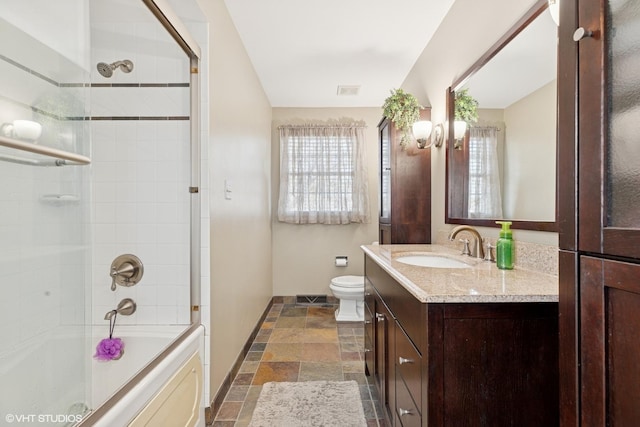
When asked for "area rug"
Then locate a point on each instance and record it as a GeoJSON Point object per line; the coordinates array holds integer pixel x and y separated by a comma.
{"type": "Point", "coordinates": [309, 404]}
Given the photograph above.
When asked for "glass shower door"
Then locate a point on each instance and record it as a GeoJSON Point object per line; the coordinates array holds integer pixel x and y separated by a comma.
{"type": "Point", "coordinates": [44, 211]}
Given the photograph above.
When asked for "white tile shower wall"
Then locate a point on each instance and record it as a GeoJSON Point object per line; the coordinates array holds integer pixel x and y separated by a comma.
{"type": "Point", "coordinates": [141, 206]}
{"type": "Point", "coordinates": [141, 174]}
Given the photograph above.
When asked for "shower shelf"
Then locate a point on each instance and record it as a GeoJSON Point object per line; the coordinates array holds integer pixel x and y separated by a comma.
{"type": "Point", "coordinates": [55, 157]}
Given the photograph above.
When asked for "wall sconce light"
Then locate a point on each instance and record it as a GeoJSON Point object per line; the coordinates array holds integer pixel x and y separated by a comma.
{"type": "Point", "coordinates": [459, 130]}
{"type": "Point", "coordinates": [426, 135]}
{"type": "Point", "coordinates": [554, 9]}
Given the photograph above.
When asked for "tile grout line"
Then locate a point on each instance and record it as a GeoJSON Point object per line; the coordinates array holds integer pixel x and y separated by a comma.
{"type": "Point", "coordinates": [347, 334]}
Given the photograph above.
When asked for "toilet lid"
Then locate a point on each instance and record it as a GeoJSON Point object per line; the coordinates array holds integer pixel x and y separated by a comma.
{"type": "Point", "coordinates": [348, 281]}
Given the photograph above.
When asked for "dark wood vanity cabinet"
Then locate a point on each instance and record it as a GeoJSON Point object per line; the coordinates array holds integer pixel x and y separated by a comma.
{"type": "Point", "coordinates": [405, 187]}
{"type": "Point", "coordinates": [461, 364]}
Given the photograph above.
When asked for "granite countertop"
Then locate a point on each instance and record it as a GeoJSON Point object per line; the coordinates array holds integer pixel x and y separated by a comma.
{"type": "Point", "coordinates": [482, 282]}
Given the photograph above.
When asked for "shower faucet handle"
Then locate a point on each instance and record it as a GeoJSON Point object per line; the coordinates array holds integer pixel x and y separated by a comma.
{"type": "Point", "coordinates": [126, 270]}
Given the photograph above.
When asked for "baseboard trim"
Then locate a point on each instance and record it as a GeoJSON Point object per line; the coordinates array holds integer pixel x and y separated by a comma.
{"type": "Point", "coordinates": [216, 403]}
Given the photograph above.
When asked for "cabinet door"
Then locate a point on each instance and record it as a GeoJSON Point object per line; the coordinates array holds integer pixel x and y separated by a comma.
{"type": "Point", "coordinates": [610, 343]}
{"type": "Point", "coordinates": [608, 127]}
{"type": "Point", "coordinates": [369, 332]}
{"type": "Point", "coordinates": [384, 345]}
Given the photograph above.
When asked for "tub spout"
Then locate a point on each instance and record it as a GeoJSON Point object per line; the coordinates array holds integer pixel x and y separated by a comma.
{"type": "Point", "coordinates": [126, 307]}
{"type": "Point", "coordinates": [110, 314]}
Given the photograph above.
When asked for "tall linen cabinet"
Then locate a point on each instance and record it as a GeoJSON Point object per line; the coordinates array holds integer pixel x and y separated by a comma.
{"type": "Point", "coordinates": [599, 212]}
{"type": "Point", "coordinates": [405, 187]}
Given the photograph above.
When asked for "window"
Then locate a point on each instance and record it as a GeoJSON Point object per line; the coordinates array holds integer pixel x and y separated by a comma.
{"type": "Point", "coordinates": [485, 200]}
{"type": "Point", "coordinates": [323, 177]}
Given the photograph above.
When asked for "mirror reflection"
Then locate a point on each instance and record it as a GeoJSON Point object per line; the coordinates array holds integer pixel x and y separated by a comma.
{"type": "Point", "coordinates": [505, 165]}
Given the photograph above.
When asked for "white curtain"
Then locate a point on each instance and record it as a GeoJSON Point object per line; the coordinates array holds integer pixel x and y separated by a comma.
{"type": "Point", "coordinates": [485, 200]}
{"type": "Point", "coordinates": [323, 175]}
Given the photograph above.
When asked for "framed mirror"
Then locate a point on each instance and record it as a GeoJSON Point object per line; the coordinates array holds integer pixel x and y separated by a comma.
{"type": "Point", "coordinates": [504, 167]}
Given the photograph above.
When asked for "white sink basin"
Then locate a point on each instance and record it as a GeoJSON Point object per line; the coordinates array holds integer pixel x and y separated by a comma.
{"type": "Point", "coordinates": [432, 261]}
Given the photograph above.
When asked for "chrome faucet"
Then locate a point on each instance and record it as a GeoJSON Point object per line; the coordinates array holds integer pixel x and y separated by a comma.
{"type": "Point", "coordinates": [479, 250]}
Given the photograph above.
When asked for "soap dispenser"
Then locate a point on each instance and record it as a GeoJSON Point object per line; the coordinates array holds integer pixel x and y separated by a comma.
{"type": "Point", "coordinates": [504, 247]}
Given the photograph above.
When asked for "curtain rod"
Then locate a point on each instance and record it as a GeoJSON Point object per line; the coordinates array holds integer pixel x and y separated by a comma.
{"type": "Point", "coordinates": [321, 126]}
{"type": "Point", "coordinates": [497, 129]}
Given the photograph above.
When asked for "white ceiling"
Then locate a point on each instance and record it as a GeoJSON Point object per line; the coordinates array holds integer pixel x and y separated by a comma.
{"type": "Point", "coordinates": [302, 50]}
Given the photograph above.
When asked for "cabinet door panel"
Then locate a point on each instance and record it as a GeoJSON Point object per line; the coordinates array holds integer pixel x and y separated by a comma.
{"type": "Point", "coordinates": [610, 342]}
{"type": "Point", "coordinates": [384, 345]}
{"type": "Point", "coordinates": [609, 122]}
{"type": "Point", "coordinates": [369, 350]}
{"type": "Point", "coordinates": [508, 361]}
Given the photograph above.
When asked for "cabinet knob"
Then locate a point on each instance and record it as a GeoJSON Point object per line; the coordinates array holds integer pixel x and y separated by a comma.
{"type": "Point", "coordinates": [379, 317]}
{"type": "Point", "coordinates": [403, 412]}
{"type": "Point", "coordinates": [367, 322]}
{"type": "Point", "coordinates": [367, 350]}
{"type": "Point", "coordinates": [581, 33]}
{"type": "Point", "coordinates": [402, 360]}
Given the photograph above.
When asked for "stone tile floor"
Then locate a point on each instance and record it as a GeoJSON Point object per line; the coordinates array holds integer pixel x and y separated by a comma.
{"type": "Point", "coordinates": [300, 343]}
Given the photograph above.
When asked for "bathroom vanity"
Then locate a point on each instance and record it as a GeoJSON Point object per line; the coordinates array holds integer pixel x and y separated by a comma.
{"type": "Point", "coordinates": [459, 342]}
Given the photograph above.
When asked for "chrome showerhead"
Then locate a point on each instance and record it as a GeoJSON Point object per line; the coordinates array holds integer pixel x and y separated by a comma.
{"type": "Point", "coordinates": [106, 70]}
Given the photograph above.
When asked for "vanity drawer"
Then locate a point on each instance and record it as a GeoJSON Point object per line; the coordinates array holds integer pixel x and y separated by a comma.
{"type": "Point", "coordinates": [408, 365]}
{"type": "Point", "coordinates": [406, 410]}
{"type": "Point", "coordinates": [411, 315]}
{"type": "Point", "coordinates": [406, 308]}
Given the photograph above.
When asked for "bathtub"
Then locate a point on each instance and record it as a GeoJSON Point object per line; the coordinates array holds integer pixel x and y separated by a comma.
{"type": "Point", "coordinates": [120, 389]}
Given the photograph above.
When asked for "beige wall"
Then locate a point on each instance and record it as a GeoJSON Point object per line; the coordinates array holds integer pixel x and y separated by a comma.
{"type": "Point", "coordinates": [530, 156]}
{"type": "Point", "coordinates": [304, 255]}
{"type": "Point", "coordinates": [469, 29]}
{"type": "Point", "coordinates": [240, 151]}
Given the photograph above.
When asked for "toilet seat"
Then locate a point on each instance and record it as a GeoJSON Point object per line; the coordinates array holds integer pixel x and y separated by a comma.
{"type": "Point", "coordinates": [348, 281]}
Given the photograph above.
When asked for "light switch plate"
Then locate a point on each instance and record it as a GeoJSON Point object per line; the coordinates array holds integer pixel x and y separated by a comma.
{"type": "Point", "coordinates": [227, 189]}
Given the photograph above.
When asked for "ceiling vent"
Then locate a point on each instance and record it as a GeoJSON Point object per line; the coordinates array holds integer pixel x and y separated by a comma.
{"type": "Point", "coordinates": [348, 90]}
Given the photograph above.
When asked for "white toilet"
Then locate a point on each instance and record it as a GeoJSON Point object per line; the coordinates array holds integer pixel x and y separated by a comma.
{"type": "Point", "coordinates": [350, 291]}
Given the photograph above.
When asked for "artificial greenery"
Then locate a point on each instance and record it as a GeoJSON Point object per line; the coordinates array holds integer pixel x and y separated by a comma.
{"type": "Point", "coordinates": [403, 110]}
{"type": "Point", "coordinates": [466, 107]}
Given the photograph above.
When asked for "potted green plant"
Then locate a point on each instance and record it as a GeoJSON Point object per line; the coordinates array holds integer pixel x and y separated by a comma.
{"type": "Point", "coordinates": [403, 110]}
{"type": "Point", "coordinates": [465, 113]}
{"type": "Point", "coordinates": [466, 107]}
